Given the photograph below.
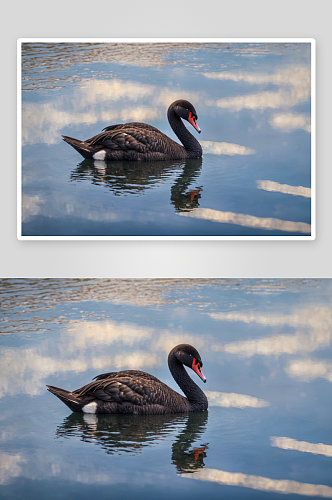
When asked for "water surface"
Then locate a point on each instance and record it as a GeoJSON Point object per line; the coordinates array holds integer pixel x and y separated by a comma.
{"type": "Point", "coordinates": [266, 348]}
{"type": "Point", "coordinates": [253, 105]}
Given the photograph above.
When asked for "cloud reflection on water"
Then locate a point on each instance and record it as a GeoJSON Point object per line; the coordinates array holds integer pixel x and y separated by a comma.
{"type": "Point", "coordinates": [34, 205]}
{"type": "Point", "coordinates": [82, 347]}
{"type": "Point", "coordinates": [291, 121]}
{"type": "Point", "coordinates": [233, 400]}
{"type": "Point", "coordinates": [268, 223]}
{"type": "Point", "coordinates": [297, 79]}
{"type": "Point", "coordinates": [286, 443]}
{"type": "Point", "coordinates": [225, 148]}
{"type": "Point", "coordinates": [261, 483]}
{"type": "Point", "coordinates": [308, 369]}
{"type": "Point", "coordinates": [284, 188]}
{"type": "Point", "coordinates": [10, 466]}
{"type": "Point", "coordinates": [318, 320]}
{"type": "Point", "coordinates": [44, 122]}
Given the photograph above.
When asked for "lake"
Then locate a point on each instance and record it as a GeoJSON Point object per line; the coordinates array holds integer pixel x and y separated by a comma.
{"type": "Point", "coordinates": [266, 348]}
{"type": "Point", "coordinates": [253, 102]}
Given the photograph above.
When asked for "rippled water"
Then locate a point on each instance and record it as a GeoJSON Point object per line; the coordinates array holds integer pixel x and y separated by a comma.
{"type": "Point", "coordinates": [253, 104]}
{"type": "Point", "coordinates": [266, 348]}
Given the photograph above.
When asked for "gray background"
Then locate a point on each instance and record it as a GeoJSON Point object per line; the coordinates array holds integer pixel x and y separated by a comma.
{"type": "Point", "coordinates": [181, 18]}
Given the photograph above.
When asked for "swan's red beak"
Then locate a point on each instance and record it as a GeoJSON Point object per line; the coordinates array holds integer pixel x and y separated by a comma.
{"type": "Point", "coordinates": [197, 368]}
{"type": "Point", "coordinates": [192, 121]}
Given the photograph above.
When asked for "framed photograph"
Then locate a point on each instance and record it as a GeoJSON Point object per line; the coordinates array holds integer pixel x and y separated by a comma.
{"type": "Point", "coordinates": [166, 139]}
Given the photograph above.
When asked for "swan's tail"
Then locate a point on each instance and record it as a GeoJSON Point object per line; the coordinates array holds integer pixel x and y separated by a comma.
{"type": "Point", "coordinates": [82, 147]}
{"type": "Point", "coordinates": [73, 402]}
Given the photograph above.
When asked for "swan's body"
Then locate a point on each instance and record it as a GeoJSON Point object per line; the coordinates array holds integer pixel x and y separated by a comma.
{"type": "Point", "coordinates": [137, 392]}
{"type": "Point", "coordinates": [139, 141]}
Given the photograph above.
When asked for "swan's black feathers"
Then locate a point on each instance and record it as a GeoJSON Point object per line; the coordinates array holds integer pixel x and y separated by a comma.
{"type": "Point", "coordinates": [126, 386]}
{"type": "Point", "coordinates": [140, 141]}
{"type": "Point", "coordinates": [130, 139]}
{"type": "Point", "coordinates": [134, 391]}
{"type": "Point", "coordinates": [145, 126]}
{"type": "Point", "coordinates": [134, 373]}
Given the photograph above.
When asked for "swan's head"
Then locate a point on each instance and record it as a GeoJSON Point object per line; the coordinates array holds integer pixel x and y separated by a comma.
{"type": "Point", "coordinates": [186, 111]}
{"type": "Point", "coordinates": [189, 356]}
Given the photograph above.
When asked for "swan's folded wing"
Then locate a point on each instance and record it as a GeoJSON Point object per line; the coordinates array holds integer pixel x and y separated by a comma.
{"type": "Point", "coordinates": [120, 390]}
{"type": "Point", "coordinates": [123, 139]}
{"type": "Point", "coordinates": [137, 374]}
{"type": "Point", "coordinates": [138, 125]}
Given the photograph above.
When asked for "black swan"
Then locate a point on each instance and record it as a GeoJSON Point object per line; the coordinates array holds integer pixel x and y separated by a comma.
{"type": "Point", "coordinates": [139, 141]}
{"type": "Point", "coordinates": [137, 392]}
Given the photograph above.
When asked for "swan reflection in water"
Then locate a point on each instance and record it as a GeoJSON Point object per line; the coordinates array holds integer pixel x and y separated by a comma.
{"type": "Point", "coordinates": [117, 434]}
{"type": "Point", "coordinates": [134, 178]}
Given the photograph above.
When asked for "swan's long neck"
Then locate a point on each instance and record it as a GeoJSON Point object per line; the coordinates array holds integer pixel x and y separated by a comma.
{"type": "Point", "coordinates": [196, 397]}
{"type": "Point", "coordinates": [191, 145]}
